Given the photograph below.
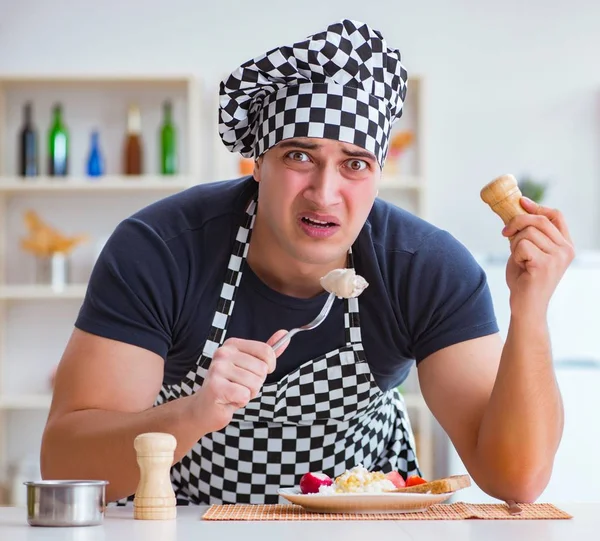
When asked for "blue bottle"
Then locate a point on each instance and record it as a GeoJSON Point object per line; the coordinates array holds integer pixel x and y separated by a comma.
{"type": "Point", "coordinates": [95, 163]}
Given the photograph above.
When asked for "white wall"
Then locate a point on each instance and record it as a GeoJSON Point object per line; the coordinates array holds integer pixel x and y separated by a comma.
{"type": "Point", "coordinates": [513, 86]}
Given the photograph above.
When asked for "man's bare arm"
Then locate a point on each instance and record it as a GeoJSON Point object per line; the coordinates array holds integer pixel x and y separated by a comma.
{"type": "Point", "coordinates": [103, 399]}
{"type": "Point", "coordinates": [501, 408]}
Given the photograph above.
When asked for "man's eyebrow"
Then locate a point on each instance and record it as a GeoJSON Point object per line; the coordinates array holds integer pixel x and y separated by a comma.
{"type": "Point", "coordinates": [359, 154]}
{"type": "Point", "coordinates": [293, 143]}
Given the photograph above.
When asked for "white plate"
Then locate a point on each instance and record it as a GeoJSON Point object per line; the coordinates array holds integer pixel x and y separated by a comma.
{"type": "Point", "coordinates": [387, 502]}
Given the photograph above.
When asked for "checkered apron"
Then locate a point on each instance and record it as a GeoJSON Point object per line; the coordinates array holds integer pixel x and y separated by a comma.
{"type": "Point", "coordinates": [328, 415]}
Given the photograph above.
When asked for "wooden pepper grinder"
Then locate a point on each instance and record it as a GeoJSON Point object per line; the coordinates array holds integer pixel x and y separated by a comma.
{"type": "Point", "coordinates": [154, 498]}
{"type": "Point", "coordinates": [503, 196]}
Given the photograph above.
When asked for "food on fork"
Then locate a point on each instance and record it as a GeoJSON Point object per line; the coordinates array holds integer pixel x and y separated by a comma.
{"type": "Point", "coordinates": [344, 283]}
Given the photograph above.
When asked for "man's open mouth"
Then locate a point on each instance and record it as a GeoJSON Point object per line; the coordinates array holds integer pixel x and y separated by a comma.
{"type": "Point", "coordinates": [317, 223]}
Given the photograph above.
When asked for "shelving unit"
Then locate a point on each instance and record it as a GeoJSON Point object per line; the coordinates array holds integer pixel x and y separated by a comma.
{"type": "Point", "coordinates": [35, 319]}
{"type": "Point", "coordinates": [404, 181]}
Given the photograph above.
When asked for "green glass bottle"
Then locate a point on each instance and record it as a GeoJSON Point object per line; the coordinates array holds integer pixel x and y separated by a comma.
{"type": "Point", "coordinates": [58, 144]}
{"type": "Point", "coordinates": [168, 142]}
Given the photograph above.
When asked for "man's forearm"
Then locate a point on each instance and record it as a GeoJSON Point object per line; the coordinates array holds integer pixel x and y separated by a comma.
{"type": "Point", "coordinates": [98, 444]}
{"type": "Point", "coordinates": [522, 425]}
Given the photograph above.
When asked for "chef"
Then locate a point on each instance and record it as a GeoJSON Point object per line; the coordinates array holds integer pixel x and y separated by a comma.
{"type": "Point", "coordinates": [190, 293]}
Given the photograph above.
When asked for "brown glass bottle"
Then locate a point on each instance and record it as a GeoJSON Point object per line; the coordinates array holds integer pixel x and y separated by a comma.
{"type": "Point", "coordinates": [133, 151]}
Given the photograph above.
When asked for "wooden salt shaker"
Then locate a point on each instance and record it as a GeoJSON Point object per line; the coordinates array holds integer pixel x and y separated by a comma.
{"type": "Point", "coordinates": [154, 498]}
{"type": "Point", "coordinates": [503, 196]}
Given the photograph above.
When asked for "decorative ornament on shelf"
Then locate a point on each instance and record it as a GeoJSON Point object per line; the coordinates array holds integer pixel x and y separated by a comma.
{"type": "Point", "coordinates": [532, 189]}
{"type": "Point", "coordinates": [398, 144]}
{"type": "Point", "coordinates": [51, 250]}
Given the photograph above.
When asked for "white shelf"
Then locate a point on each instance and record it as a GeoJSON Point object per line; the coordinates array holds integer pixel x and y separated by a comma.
{"type": "Point", "coordinates": [115, 183]}
{"type": "Point", "coordinates": [41, 292]}
{"type": "Point", "coordinates": [25, 402]}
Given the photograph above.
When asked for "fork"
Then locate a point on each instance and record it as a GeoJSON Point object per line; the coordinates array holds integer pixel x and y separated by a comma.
{"type": "Point", "coordinates": [309, 326]}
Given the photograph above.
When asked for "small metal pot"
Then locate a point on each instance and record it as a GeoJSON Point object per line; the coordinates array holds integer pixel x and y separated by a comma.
{"type": "Point", "coordinates": [66, 503]}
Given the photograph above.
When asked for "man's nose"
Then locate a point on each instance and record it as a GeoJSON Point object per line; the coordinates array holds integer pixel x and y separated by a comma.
{"type": "Point", "coordinates": [324, 188]}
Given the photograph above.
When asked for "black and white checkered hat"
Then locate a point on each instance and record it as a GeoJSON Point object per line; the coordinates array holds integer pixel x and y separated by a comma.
{"type": "Point", "coordinates": [343, 83]}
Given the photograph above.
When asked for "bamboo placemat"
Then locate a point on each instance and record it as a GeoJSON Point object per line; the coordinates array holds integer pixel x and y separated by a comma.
{"type": "Point", "coordinates": [454, 511]}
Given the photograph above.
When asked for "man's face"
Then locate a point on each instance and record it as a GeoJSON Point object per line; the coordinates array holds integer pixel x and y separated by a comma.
{"type": "Point", "coordinates": [314, 196]}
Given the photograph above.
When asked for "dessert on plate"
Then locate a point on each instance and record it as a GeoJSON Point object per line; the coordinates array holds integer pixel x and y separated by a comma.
{"type": "Point", "coordinates": [359, 480]}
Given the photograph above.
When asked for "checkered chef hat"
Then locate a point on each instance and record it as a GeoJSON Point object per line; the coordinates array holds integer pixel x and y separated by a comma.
{"type": "Point", "coordinates": [343, 83]}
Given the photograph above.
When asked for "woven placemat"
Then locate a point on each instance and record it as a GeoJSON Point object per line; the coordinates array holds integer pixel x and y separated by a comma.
{"type": "Point", "coordinates": [453, 511]}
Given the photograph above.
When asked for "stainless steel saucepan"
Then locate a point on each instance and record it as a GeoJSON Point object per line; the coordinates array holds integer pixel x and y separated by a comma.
{"type": "Point", "coordinates": [66, 502]}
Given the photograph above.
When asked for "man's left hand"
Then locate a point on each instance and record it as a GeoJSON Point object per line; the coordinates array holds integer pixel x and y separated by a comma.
{"type": "Point", "coordinates": [541, 250]}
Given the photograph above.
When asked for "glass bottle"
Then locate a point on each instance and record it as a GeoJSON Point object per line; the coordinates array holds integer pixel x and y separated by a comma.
{"type": "Point", "coordinates": [95, 162]}
{"type": "Point", "coordinates": [28, 145]}
{"type": "Point", "coordinates": [133, 152]}
{"type": "Point", "coordinates": [58, 144]}
{"type": "Point", "coordinates": [168, 142]}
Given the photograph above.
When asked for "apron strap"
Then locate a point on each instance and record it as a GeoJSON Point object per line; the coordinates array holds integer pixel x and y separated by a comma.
{"type": "Point", "coordinates": [233, 277]}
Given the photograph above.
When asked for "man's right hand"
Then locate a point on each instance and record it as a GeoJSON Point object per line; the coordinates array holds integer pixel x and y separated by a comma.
{"type": "Point", "coordinates": [103, 399]}
{"type": "Point", "coordinates": [236, 375]}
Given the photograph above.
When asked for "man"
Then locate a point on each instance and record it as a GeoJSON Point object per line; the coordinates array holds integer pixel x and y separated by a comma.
{"type": "Point", "coordinates": [175, 331]}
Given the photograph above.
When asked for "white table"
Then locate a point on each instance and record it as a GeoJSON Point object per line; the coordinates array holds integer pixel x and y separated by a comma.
{"type": "Point", "coordinates": [120, 525]}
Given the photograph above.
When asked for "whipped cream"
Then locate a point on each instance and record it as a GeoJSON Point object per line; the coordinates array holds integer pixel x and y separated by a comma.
{"type": "Point", "coordinates": [344, 283]}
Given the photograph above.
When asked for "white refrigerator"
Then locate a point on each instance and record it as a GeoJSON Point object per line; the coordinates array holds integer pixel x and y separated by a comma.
{"type": "Point", "coordinates": [574, 322]}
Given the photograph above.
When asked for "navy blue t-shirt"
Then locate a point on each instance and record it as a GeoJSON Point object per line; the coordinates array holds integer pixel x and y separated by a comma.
{"type": "Point", "coordinates": [157, 281]}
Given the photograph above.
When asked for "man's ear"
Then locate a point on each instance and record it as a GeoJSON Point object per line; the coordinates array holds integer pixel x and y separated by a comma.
{"type": "Point", "coordinates": [257, 164]}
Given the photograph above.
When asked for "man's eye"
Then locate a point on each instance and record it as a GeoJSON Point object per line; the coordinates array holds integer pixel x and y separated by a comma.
{"type": "Point", "coordinates": [357, 165]}
{"type": "Point", "coordinates": [298, 156]}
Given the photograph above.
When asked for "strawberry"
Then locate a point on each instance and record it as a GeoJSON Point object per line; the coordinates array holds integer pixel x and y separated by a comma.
{"type": "Point", "coordinates": [310, 482]}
